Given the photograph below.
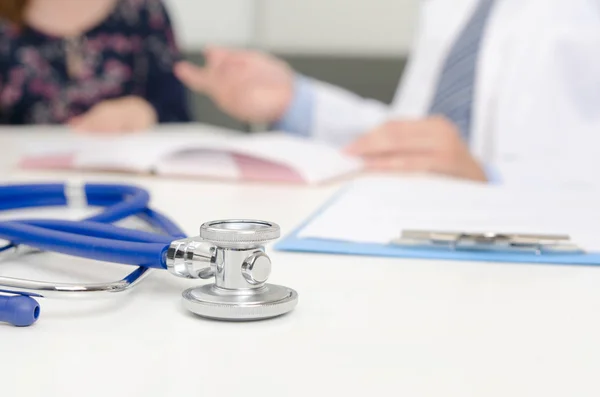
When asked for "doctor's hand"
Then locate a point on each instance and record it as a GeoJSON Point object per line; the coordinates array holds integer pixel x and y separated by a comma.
{"type": "Point", "coordinates": [128, 114]}
{"type": "Point", "coordinates": [432, 145]}
{"type": "Point", "coordinates": [248, 85]}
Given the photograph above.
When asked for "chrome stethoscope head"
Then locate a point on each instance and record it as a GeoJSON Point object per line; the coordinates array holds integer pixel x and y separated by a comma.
{"type": "Point", "coordinates": [232, 252]}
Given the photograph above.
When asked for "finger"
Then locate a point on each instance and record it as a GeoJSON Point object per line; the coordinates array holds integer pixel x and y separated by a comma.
{"type": "Point", "coordinates": [399, 138]}
{"type": "Point", "coordinates": [375, 142]}
{"type": "Point", "coordinates": [134, 125]}
{"type": "Point", "coordinates": [82, 122]}
{"type": "Point", "coordinates": [232, 68]}
{"type": "Point", "coordinates": [215, 55]}
{"type": "Point", "coordinates": [362, 145]}
{"type": "Point", "coordinates": [75, 121]}
{"type": "Point", "coordinates": [196, 78]}
{"type": "Point", "coordinates": [237, 91]}
{"type": "Point", "coordinates": [95, 121]}
{"type": "Point", "coordinates": [418, 163]}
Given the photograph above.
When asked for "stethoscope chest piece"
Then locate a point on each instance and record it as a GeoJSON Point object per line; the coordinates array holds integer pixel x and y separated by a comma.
{"type": "Point", "coordinates": [217, 303]}
{"type": "Point", "coordinates": [240, 268]}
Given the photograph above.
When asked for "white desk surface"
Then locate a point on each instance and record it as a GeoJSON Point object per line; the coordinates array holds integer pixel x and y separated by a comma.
{"type": "Point", "coordinates": [363, 326]}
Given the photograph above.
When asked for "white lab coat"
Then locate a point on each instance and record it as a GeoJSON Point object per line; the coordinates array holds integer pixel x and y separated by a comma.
{"type": "Point", "coordinates": [537, 101]}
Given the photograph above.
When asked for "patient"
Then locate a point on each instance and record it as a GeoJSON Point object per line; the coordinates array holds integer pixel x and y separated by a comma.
{"type": "Point", "coordinates": [96, 65]}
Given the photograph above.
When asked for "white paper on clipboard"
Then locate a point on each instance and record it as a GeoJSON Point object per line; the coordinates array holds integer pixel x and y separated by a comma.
{"type": "Point", "coordinates": [377, 209]}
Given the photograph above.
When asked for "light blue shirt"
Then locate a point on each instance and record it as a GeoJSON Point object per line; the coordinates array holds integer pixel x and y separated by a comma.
{"type": "Point", "coordinates": [298, 119]}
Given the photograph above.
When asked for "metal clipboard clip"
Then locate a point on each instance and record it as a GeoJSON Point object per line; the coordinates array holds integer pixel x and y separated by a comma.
{"type": "Point", "coordinates": [530, 243]}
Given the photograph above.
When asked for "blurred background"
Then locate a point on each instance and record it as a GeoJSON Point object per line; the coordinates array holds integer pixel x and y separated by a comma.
{"type": "Point", "coordinates": [361, 45]}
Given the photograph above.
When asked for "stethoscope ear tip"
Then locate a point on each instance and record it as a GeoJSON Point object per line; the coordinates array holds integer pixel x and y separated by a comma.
{"type": "Point", "coordinates": [19, 310]}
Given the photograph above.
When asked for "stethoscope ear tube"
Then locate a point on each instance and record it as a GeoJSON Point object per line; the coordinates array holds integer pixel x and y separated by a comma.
{"type": "Point", "coordinates": [19, 310]}
{"type": "Point", "coordinates": [93, 238]}
{"type": "Point", "coordinates": [147, 254]}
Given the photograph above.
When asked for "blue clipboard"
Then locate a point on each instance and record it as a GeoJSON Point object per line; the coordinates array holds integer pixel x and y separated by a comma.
{"type": "Point", "coordinates": [293, 243]}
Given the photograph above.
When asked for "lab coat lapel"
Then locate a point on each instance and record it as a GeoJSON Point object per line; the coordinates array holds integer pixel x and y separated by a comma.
{"type": "Point", "coordinates": [441, 23]}
{"type": "Point", "coordinates": [499, 42]}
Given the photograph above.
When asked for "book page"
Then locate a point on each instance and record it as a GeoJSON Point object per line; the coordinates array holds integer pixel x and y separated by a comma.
{"type": "Point", "coordinates": [199, 163]}
{"type": "Point", "coordinates": [137, 152]}
{"type": "Point", "coordinates": [314, 161]}
{"type": "Point", "coordinates": [133, 152]}
{"type": "Point", "coordinates": [193, 150]}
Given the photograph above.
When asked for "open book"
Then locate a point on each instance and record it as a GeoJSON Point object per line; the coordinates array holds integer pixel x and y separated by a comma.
{"type": "Point", "coordinates": [196, 152]}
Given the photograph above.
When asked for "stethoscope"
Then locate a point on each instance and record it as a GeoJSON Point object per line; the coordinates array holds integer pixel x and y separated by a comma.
{"type": "Point", "coordinates": [232, 252]}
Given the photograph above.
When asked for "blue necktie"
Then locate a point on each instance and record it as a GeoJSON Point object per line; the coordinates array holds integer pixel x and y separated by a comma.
{"type": "Point", "coordinates": [454, 95]}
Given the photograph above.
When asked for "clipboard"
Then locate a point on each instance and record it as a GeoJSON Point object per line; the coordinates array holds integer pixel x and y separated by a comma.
{"type": "Point", "coordinates": [425, 244]}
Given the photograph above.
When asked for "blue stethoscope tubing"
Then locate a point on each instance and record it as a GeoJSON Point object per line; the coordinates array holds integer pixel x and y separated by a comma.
{"type": "Point", "coordinates": [94, 237]}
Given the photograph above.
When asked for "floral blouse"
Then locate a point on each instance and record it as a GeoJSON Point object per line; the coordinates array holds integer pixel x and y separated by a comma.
{"type": "Point", "coordinates": [132, 52]}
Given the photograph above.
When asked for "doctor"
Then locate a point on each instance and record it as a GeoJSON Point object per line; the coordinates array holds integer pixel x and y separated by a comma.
{"type": "Point", "coordinates": [495, 90]}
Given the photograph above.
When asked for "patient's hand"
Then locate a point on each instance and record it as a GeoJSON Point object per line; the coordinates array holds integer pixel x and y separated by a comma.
{"type": "Point", "coordinates": [248, 85]}
{"type": "Point", "coordinates": [430, 145]}
{"type": "Point", "coordinates": [128, 114]}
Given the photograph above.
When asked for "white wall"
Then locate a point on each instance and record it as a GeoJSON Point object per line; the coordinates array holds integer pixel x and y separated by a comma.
{"type": "Point", "coordinates": [363, 27]}
{"type": "Point", "coordinates": [333, 27]}
{"type": "Point", "coordinates": [201, 22]}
